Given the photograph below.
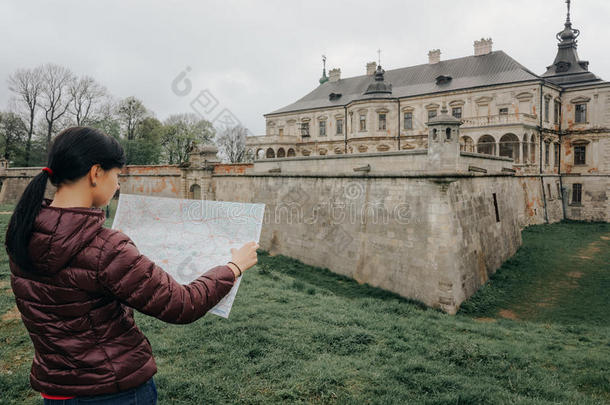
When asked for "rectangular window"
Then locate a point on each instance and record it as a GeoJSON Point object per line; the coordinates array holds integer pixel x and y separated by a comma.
{"type": "Point", "coordinates": [576, 193]}
{"type": "Point", "coordinates": [362, 122]}
{"type": "Point", "coordinates": [580, 113]}
{"type": "Point", "coordinates": [431, 114]}
{"type": "Point", "coordinates": [556, 154]}
{"type": "Point", "coordinates": [548, 188]}
{"type": "Point", "coordinates": [580, 157]}
{"type": "Point", "coordinates": [546, 109]}
{"type": "Point", "coordinates": [305, 129]}
{"type": "Point", "coordinates": [281, 131]}
{"type": "Point", "coordinates": [339, 126]}
{"type": "Point", "coordinates": [503, 111]}
{"type": "Point", "coordinates": [322, 128]}
{"type": "Point", "coordinates": [408, 120]}
{"type": "Point", "coordinates": [382, 122]}
{"type": "Point", "coordinates": [558, 191]}
{"type": "Point", "coordinates": [547, 147]}
{"type": "Point", "coordinates": [557, 112]}
{"type": "Point", "coordinates": [456, 112]}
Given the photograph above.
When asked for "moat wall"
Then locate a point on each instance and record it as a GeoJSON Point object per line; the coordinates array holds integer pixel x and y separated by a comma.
{"type": "Point", "coordinates": [431, 237]}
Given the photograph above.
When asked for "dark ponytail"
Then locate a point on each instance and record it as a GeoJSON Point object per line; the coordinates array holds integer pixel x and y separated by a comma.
{"type": "Point", "coordinates": [73, 152]}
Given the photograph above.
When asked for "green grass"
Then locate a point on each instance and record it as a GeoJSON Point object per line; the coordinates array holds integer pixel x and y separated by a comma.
{"type": "Point", "coordinates": [561, 274]}
{"type": "Point", "coordinates": [300, 334]}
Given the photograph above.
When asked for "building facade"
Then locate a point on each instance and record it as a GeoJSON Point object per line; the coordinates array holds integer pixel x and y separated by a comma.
{"type": "Point", "coordinates": [554, 123]}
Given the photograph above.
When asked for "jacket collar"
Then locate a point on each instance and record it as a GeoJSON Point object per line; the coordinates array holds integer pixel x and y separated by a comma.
{"type": "Point", "coordinates": [61, 233]}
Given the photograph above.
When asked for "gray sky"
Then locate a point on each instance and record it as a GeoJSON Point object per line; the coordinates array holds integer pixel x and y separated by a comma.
{"type": "Point", "coordinates": [257, 56]}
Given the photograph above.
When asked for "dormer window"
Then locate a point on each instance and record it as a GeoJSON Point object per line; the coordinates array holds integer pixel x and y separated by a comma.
{"type": "Point", "coordinates": [561, 67]}
{"type": "Point", "coordinates": [442, 79]}
{"type": "Point", "coordinates": [334, 96]}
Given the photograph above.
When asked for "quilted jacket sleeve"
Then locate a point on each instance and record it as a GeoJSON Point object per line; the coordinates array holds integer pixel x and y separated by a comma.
{"type": "Point", "coordinates": [137, 281]}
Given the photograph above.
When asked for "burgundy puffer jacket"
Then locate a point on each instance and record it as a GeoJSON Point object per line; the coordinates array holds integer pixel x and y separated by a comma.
{"type": "Point", "coordinates": [78, 306]}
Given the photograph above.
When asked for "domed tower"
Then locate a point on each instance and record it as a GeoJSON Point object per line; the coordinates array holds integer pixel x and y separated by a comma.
{"type": "Point", "coordinates": [567, 68]}
{"type": "Point", "coordinates": [444, 141]}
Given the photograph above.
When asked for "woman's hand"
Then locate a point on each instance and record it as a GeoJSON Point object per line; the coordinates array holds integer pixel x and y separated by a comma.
{"type": "Point", "coordinates": [244, 257]}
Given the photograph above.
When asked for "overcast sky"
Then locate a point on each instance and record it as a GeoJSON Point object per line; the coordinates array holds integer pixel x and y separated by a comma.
{"type": "Point", "coordinates": [257, 56]}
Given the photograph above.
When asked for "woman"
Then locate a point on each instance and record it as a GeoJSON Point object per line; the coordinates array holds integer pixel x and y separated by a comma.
{"type": "Point", "coordinates": [76, 282]}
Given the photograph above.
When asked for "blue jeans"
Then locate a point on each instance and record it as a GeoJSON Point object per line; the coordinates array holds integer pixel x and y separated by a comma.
{"type": "Point", "coordinates": [145, 394]}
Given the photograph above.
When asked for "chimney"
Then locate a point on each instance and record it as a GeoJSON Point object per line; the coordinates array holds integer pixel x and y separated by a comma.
{"type": "Point", "coordinates": [434, 56]}
{"type": "Point", "coordinates": [482, 47]}
{"type": "Point", "coordinates": [334, 75]}
{"type": "Point", "coordinates": [370, 68]}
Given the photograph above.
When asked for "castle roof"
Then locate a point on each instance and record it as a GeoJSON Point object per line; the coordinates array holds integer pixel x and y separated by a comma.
{"type": "Point", "coordinates": [493, 68]}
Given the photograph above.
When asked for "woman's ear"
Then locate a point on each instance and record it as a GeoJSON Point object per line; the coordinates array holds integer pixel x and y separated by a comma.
{"type": "Point", "coordinates": [94, 173]}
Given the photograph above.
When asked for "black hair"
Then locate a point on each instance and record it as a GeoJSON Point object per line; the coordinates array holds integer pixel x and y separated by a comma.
{"type": "Point", "coordinates": [73, 152]}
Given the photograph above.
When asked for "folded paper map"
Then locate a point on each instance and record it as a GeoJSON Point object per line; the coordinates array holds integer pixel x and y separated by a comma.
{"type": "Point", "coordinates": [186, 238]}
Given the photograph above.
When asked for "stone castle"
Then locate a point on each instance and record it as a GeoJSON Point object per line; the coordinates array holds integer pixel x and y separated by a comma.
{"type": "Point", "coordinates": [417, 180]}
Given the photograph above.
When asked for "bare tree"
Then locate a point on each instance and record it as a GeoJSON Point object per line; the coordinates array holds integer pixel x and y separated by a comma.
{"type": "Point", "coordinates": [86, 96]}
{"type": "Point", "coordinates": [231, 142]}
{"type": "Point", "coordinates": [27, 84]}
{"type": "Point", "coordinates": [56, 98]}
{"type": "Point", "coordinates": [131, 112]}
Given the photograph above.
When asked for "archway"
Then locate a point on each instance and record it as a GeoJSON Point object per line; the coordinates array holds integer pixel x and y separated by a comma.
{"type": "Point", "coordinates": [281, 153]}
{"type": "Point", "coordinates": [270, 154]}
{"type": "Point", "coordinates": [195, 192]}
{"type": "Point", "coordinates": [532, 149]}
{"type": "Point", "coordinates": [466, 144]}
{"type": "Point", "coordinates": [486, 145]}
{"type": "Point", "coordinates": [291, 153]}
{"type": "Point", "coordinates": [509, 147]}
{"type": "Point", "coordinates": [260, 154]}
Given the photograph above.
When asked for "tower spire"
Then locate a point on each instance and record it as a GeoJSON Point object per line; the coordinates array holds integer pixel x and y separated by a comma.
{"type": "Point", "coordinates": [324, 78]}
{"type": "Point", "coordinates": [567, 67]}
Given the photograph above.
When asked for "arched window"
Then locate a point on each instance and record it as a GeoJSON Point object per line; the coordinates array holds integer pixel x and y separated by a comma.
{"type": "Point", "coordinates": [270, 154]}
{"type": "Point", "coordinates": [195, 192]}
{"type": "Point", "coordinates": [509, 147]}
{"type": "Point", "coordinates": [434, 134]}
{"type": "Point", "coordinates": [291, 153]}
{"type": "Point", "coordinates": [448, 133]}
{"type": "Point", "coordinates": [466, 144]}
{"type": "Point", "coordinates": [281, 153]}
{"type": "Point", "coordinates": [260, 154]}
{"type": "Point", "coordinates": [486, 145]}
{"type": "Point", "coordinates": [532, 149]}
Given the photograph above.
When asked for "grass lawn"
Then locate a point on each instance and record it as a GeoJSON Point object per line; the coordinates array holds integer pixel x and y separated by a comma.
{"type": "Point", "coordinates": [537, 333]}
